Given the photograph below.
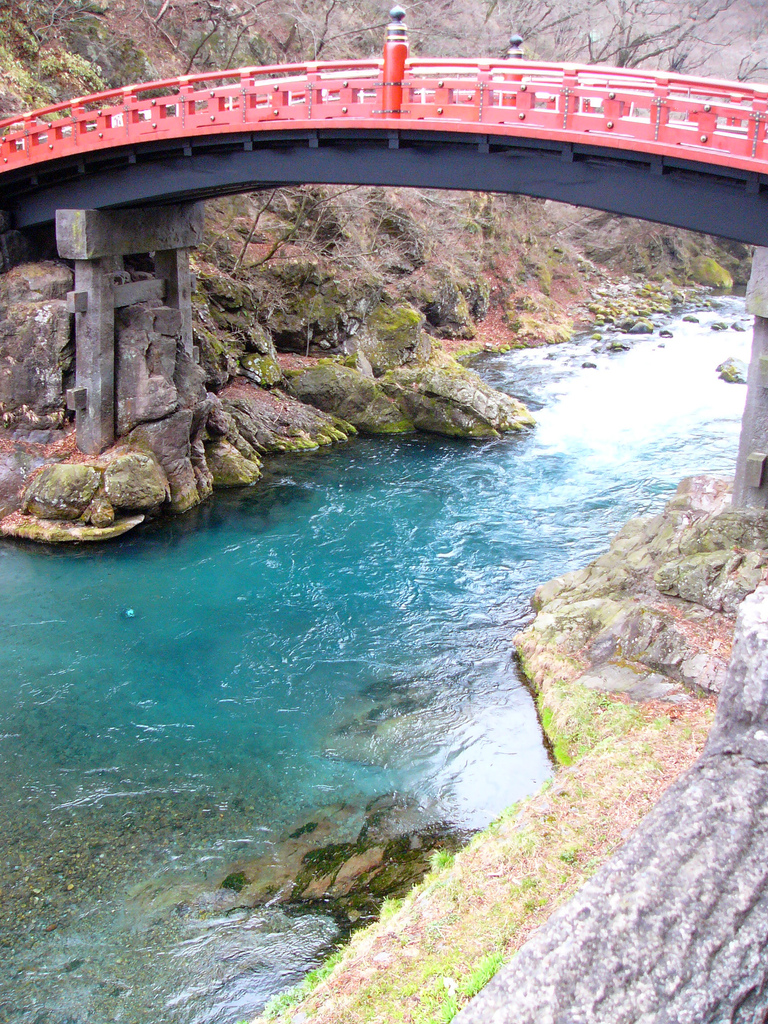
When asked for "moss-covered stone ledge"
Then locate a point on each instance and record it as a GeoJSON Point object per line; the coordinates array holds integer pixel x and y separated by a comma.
{"type": "Point", "coordinates": [89, 501]}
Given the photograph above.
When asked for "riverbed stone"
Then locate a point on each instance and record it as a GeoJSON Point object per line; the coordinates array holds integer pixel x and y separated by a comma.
{"type": "Point", "coordinates": [61, 491]}
{"type": "Point", "coordinates": [135, 482]}
{"type": "Point", "coordinates": [733, 371]}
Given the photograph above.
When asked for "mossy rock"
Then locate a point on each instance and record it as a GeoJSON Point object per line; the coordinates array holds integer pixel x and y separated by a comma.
{"type": "Point", "coordinates": [47, 531]}
{"type": "Point", "coordinates": [61, 491]}
{"type": "Point", "coordinates": [229, 467]}
{"type": "Point", "coordinates": [134, 481]}
{"type": "Point", "coordinates": [346, 393]}
{"type": "Point", "coordinates": [733, 371]}
{"type": "Point", "coordinates": [453, 401]}
{"type": "Point", "coordinates": [262, 370]}
{"type": "Point", "coordinates": [707, 271]}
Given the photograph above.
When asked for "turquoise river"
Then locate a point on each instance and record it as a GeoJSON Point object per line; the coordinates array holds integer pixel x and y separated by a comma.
{"type": "Point", "coordinates": [173, 702]}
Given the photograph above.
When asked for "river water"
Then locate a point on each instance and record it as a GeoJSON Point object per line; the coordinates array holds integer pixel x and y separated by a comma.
{"type": "Point", "coordinates": [175, 700]}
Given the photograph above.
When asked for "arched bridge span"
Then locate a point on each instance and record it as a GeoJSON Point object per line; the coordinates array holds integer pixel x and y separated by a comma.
{"type": "Point", "coordinates": [677, 150]}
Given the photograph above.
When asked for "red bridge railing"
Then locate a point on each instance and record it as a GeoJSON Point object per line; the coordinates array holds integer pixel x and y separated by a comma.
{"type": "Point", "coordinates": [715, 122]}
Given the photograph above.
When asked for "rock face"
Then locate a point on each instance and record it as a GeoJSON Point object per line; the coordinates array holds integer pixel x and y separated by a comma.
{"type": "Point", "coordinates": [661, 601]}
{"type": "Point", "coordinates": [674, 927]}
{"type": "Point", "coordinates": [147, 339]}
{"type": "Point", "coordinates": [36, 350]}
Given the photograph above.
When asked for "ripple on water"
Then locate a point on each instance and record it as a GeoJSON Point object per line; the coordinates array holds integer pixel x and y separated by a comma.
{"type": "Point", "coordinates": [338, 633]}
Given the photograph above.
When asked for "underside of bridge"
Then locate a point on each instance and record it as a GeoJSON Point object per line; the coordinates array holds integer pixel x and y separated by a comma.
{"type": "Point", "coordinates": [722, 201]}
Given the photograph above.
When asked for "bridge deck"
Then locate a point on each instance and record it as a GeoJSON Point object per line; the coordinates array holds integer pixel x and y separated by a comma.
{"type": "Point", "coordinates": [712, 128]}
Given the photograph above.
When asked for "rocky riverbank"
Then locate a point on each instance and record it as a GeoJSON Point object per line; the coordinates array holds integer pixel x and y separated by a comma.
{"type": "Point", "coordinates": [186, 427]}
{"type": "Point", "coordinates": [626, 657]}
{"type": "Point", "coordinates": [297, 361]}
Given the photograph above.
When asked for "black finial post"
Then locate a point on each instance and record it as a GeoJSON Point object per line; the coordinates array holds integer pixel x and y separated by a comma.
{"type": "Point", "coordinates": [396, 30]}
{"type": "Point", "coordinates": [515, 51]}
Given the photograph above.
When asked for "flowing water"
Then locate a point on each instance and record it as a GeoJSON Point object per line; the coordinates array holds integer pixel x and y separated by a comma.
{"type": "Point", "coordinates": [174, 701]}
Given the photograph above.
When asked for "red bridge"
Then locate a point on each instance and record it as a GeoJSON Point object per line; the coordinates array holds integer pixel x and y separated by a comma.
{"type": "Point", "coordinates": [683, 151]}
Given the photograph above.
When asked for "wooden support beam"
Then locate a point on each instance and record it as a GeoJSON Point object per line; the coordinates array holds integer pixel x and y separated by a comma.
{"type": "Point", "coordinates": [92, 234]}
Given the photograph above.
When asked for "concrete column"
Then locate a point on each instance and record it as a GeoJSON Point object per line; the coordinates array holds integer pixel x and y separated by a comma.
{"type": "Point", "coordinates": [751, 484]}
{"type": "Point", "coordinates": [94, 396]}
{"type": "Point", "coordinates": [173, 265]}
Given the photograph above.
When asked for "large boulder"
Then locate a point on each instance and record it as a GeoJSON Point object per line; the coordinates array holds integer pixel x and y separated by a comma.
{"type": "Point", "coordinates": [135, 482]}
{"type": "Point", "coordinates": [349, 394]}
{"type": "Point", "coordinates": [453, 401]}
{"type": "Point", "coordinates": [61, 491]}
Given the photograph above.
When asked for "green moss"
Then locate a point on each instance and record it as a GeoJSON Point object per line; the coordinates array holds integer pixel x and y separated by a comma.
{"type": "Point", "coordinates": [708, 271]}
{"type": "Point", "coordinates": [236, 881]}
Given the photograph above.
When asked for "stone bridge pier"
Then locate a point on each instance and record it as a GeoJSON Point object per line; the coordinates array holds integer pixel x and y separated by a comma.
{"type": "Point", "coordinates": [751, 484]}
{"type": "Point", "coordinates": [118, 387]}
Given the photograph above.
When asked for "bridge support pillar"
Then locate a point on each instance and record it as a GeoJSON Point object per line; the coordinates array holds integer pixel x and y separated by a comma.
{"type": "Point", "coordinates": [173, 266]}
{"type": "Point", "coordinates": [750, 488]}
{"type": "Point", "coordinates": [97, 241]}
{"type": "Point", "coordinates": [94, 396]}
